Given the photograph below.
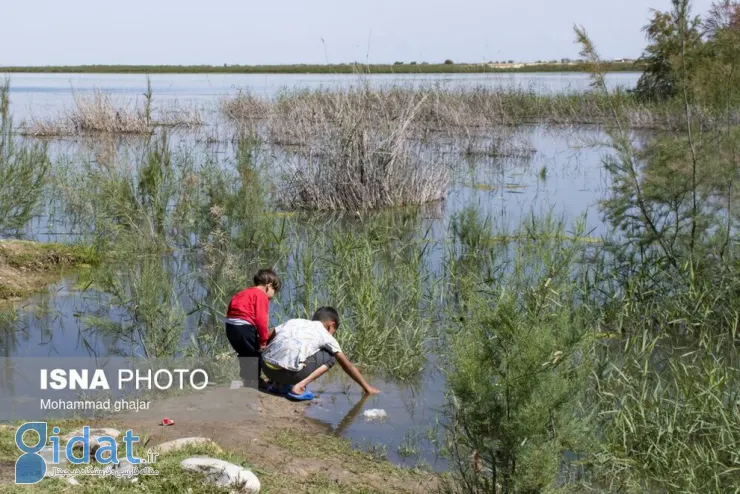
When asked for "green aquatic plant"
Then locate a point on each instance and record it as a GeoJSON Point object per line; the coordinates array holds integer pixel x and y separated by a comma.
{"type": "Point", "coordinates": [380, 282]}
{"type": "Point", "coordinates": [126, 197]}
{"type": "Point", "coordinates": [372, 269]}
{"type": "Point", "coordinates": [24, 169]}
{"type": "Point", "coordinates": [667, 392]}
{"type": "Point", "coordinates": [145, 291]}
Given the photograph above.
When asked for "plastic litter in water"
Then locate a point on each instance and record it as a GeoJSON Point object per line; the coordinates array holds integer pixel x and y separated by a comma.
{"type": "Point", "coordinates": [375, 414]}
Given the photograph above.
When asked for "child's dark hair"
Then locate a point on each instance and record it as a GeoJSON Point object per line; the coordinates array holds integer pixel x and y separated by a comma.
{"type": "Point", "coordinates": [266, 277]}
{"type": "Point", "coordinates": [326, 314]}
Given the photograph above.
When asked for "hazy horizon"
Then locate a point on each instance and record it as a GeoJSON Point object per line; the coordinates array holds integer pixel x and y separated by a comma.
{"type": "Point", "coordinates": [169, 32]}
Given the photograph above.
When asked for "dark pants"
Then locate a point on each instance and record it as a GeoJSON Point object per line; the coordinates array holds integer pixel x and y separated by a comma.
{"type": "Point", "coordinates": [245, 342]}
{"type": "Point", "coordinates": [284, 376]}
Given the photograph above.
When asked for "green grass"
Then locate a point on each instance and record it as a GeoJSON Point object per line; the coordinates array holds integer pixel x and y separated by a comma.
{"type": "Point", "coordinates": [349, 68]}
{"type": "Point", "coordinates": [306, 445]}
{"type": "Point", "coordinates": [27, 254]}
{"type": "Point", "coordinates": [32, 265]}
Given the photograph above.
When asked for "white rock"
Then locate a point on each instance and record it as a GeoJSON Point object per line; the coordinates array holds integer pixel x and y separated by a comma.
{"type": "Point", "coordinates": [179, 444]}
{"type": "Point", "coordinates": [223, 473]}
{"type": "Point", "coordinates": [72, 481]}
{"type": "Point", "coordinates": [375, 414]}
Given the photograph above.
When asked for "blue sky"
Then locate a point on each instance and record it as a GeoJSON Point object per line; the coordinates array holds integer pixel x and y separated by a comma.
{"type": "Point", "coordinates": [41, 32]}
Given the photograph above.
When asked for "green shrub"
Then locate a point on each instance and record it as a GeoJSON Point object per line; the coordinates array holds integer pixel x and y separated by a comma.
{"type": "Point", "coordinates": [23, 173]}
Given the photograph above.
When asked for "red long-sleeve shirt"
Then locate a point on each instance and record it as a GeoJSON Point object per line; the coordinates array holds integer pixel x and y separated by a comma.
{"type": "Point", "coordinates": [251, 305]}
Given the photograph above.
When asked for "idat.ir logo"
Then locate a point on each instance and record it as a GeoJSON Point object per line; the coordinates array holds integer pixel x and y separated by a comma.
{"type": "Point", "coordinates": [31, 438]}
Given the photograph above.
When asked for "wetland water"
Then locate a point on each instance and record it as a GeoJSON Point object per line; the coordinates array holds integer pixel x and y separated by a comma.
{"type": "Point", "coordinates": [554, 171]}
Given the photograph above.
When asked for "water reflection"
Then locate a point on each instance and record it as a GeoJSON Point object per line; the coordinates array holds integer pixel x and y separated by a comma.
{"type": "Point", "coordinates": [411, 435]}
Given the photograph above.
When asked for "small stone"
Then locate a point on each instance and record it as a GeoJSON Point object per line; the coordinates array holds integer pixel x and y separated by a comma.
{"type": "Point", "coordinates": [224, 474]}
{"type": "Point", "coordinates": [72, 481]}
{"type": "Point", "coordinates": [179, 444]}
{"type": "Point", "coordinates": [302, 473]}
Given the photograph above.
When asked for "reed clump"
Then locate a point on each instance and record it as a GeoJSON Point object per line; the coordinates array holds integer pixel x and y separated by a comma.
{"type": "Point", "coordinates": [245, 106]}
{"type": "Point", "coordinates": [358, 157]}
{"type": "Point", "coordinates": [99, 112]}
{"type": "Point", "coordinates": [448, 111]}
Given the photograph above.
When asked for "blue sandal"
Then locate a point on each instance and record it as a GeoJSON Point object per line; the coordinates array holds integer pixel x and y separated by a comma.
{"type": "Point", "coordinates": [306, 396]}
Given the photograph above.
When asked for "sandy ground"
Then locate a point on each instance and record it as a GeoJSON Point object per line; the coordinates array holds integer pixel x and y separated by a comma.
{"type": "Point", "coordinates": [259, 427]}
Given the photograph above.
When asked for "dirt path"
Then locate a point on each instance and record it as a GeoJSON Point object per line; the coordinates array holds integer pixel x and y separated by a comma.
{"type": "Point", "coordinates": [293, 453]}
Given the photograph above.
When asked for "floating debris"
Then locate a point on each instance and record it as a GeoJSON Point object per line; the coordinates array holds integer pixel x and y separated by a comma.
{"type": "Point", "coordinates": [375, 414]}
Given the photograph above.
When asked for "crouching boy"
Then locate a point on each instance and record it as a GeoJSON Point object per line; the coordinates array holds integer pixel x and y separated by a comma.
{"type": "Point", "coordinates": [301, 351]}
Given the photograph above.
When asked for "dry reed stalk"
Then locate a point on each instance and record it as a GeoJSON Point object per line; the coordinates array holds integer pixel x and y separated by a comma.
{"type": "Point", "coordinates": [99, 113]}
{"type": "Point", "coordinates": [447, 112]}
{"type": "Point", "coordinates": [244, 107]}
{"type": "Point", "coordinates": [360, 157]}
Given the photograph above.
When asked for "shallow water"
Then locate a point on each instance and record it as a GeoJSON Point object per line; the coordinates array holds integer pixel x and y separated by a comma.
{"type": "Point", "coordinates": [413, 432]}
{"type": "Point", "coordinates": [556, 172]}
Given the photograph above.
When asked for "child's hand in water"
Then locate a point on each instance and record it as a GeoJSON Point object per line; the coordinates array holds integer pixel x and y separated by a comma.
{"type": "Point", "coordinates": [372, 391]}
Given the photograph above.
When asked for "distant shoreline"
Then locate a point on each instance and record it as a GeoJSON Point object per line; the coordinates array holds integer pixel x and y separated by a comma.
{"type": "Point", "coordinates": [406, 68]}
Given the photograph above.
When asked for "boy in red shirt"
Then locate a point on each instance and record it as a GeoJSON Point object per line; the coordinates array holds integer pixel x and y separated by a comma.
{"type": "Point", "coordinates": [246, 323]}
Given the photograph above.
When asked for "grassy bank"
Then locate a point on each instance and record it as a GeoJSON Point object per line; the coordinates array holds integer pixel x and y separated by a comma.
{"type": "Point", "coordinates": [405, 68]}
{"type": "Point", "coordinates": [27, 267]}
